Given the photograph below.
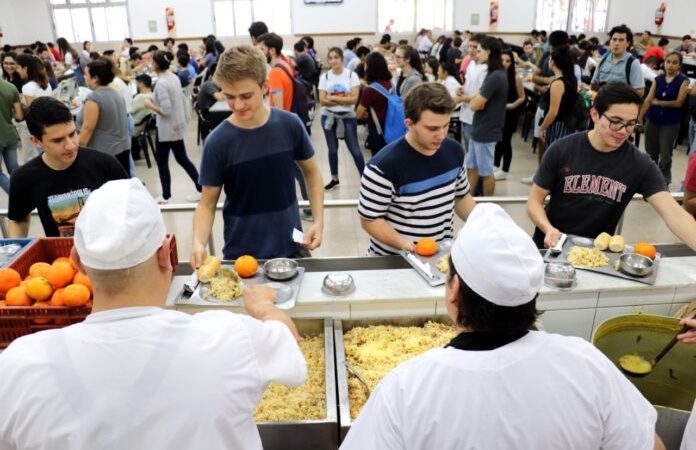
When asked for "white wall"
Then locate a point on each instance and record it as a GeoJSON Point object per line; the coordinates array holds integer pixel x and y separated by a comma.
{"type": "Point", "coordinates": [680, 17]}
{"type": "Point", "coordinates": [193, 18]}
{"type": "Point", "coordinates": [514, 15]}
{"type": "Point", "coordinates": [25, 21]}
{"type": "Point", "coordinates": [351, 16]}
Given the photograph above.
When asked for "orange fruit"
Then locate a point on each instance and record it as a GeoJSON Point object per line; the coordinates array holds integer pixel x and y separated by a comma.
{"type": "Point", "coordinates": [81, 278]}
{"type": "Point", "coordinates": [41, 320]}
{"type": "Point", "coordinates": [426, 247]}
{"type": "Point", "coordinates": [645, 249]}
{"type": "Point", "coordinates": [39, 288]}
{"type": "Point", "coordinates": [75, 295]}
{"type": "Point", "coordinates": [17, 296]}
{"type": "Point", "coordinates": [60, 274]}
{"type": "Point", "coordinates": [9, 278]}
{"type": "Point", "coordinates": [57, 297]}
{"type": "Point", "coordinates": [39, 269]}
{"type": "Point", "coordinates": [246, 266]}
{"type": "Point", "coordinates": [62, 259]}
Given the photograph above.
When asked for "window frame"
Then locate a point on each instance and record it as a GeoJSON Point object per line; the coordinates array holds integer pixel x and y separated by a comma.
{"type": "Point", "coordinates": [414, 25]}
{"type": "Point", "coordinates": [245, 32]}
{"type": "Point", "coordinates": [569, 18]}
{"type": "Point", "coordinates": [88, 5]}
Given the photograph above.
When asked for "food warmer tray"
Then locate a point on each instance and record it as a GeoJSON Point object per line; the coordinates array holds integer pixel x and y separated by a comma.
{"type": "Point", "coordinates": [443, 249]}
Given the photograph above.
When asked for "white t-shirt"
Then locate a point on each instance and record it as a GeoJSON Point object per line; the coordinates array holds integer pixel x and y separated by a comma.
{"type": "Point", "coordinates": [543, 391]}
{"type": "Point", "coordinates": [475, 74]}
{"type": "Point", "coordinates": [689, 439]}
{"type": "Point", "coordinates": [341, 84]}
{"type": "Point", "coordinates": [124, 90]}
{"type": "Point", "coordinates": [144, 378]}
{"type": "Point", "coordinates": [424, 44]}
{"type": "Point", "coordinates": [32, 89]}
{"type": "Point", "coordinates": [648, 73]}
{"type": "Point", "coordinates": [451, 84]}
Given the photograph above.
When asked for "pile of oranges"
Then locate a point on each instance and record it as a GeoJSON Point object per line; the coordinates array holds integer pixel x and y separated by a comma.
{"type": "Point", "coordinates": [46, 285]}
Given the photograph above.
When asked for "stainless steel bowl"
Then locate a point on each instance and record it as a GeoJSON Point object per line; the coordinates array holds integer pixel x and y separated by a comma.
{"type": "Point", "coordinates": [635, 264]}
{"type": "Point", "coordinates": [338, 283]}
{"type": "Point", "coordinates": [560, 275]}
{"type": "Point", "coordinates": [280, 269]}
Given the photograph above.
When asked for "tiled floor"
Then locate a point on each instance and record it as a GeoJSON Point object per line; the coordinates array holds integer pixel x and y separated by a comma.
{"type": "Point", "coordinates": [343, 235]}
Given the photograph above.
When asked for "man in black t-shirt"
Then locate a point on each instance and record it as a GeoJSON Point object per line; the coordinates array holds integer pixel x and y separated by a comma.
{"type": "Point", "coordinates": [58, 182]}
{"type": "Point", "coordinates": [592, 176]}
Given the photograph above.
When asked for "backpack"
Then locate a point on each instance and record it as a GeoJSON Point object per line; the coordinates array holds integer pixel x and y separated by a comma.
{"type": "Point", "coordinates": [394, 126]}
{"type": "Point", "coordinates": [629, 63]}
{"type": "Point", "coordinates": [303, 102]}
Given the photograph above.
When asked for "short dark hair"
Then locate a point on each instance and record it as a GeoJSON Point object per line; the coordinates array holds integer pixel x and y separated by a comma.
{"type": "Point", "coordinates": [257, 29]}
{"type": "Point", "coordinates": [686, 36]}
{"type": "Point", "coordinates": [183, 58]}
{"type": "Point", "coordinates": [109, 52]}
{"type": "Point", "coordinates": [479, 314]}
{"type": "Point", "coordinates": [615, 93]}
{"type": "Point", "coordinates": [558, 38]}
{"type": "Point", "coordinates": [45, 112]}
{"type": "Point", "coordinates": [535, 32]}
{"type": "Point", "coordinates": [145, 79]}
{"type": "Point", "coordinates": [103, 69]}
{"type": "Point", "coordinates": [431, 96]}
{"type": "Point", "coordinates": [336, 50]}
{"type": "Point", "coordinates": [386, 39]}
{"type": "Point", "coordinates": [622, 29]}
{"type": "Point", "coordinates": [182, 46]}
{"type": "Point", "coordinates": [594, 40]}
{"type": "Point", "coordinates": [478, 37]}
{"type": "Point", "coordinates": [350, 44]}
{"type": "Point", "coordinates": [362, 51]}
{"type": "Point", "coordinates": [403, 41]}
{"type": "Point", "coordinates": [129, 40]}
{"type": "Point", "coordinates": [663, 42]}
{"type": "Point", "coordinates": [433, 63]}
{"type": "Point", "coordinates": [271, 40]}
{"type": "Point", "coordinates": [6, 48]}
{"type": "Point", "coordinates": [376, 68]}
{"type": "Point", "coordinates": [300, 46]}
{"type": "Point", "coordinates": [457, 42]}
{"type": "Point", "coordinates": [152, 48]}
{"type": "Point", "coordinates": [167, 40]}
{"type": "Point", "coordinates": [309, 40]}
{"type": "Point", "coordinates": [162, 59]}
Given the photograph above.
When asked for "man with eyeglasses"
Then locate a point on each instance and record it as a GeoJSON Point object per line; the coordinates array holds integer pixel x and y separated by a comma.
{"type": "Point", "coordinates": [591, 176]}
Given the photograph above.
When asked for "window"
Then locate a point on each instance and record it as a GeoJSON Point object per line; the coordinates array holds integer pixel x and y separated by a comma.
{"type": "Point", "coordinates": [90, 20]}
{"type": "Point", "coordinates": [572, 15]}
{"type": "Point", "coordinates": [233, 17]}
{"type": "Point", "coordinates": [407, 16]}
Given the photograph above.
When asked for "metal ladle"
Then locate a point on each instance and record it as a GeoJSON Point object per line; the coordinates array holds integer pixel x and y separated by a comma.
{"type": "Point", "coordinates": [637, 366]}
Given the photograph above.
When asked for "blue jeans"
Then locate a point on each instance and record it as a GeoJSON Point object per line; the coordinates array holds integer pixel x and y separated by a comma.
{"type": "Point", "coordinates": [9, 155]}
{"type": "Point", "coordinates": [692, 136]}
{"type": "Point", "coordinates": [351, 138]}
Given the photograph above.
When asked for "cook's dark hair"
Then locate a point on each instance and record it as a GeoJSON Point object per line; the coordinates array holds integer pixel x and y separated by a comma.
{"type": "Point", "coordinates": [376, 68]}
{"type": "Point", "coordinates": [615, 93]}
{"type": "Point", "coordinates": [479, 314]}
{"type": "Point", "coordinates": [624, 30]}
{"type": "Point", "coordinates": [45, 112]}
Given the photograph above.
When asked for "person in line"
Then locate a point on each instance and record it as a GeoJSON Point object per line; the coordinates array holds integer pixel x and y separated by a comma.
{"type": "Point", "coordinates": [338, 94]}
{"type": "Point", "coordinates": [592, 176]}
{"type": "Point", "coordinates": [437, 46]}
{"type": "Point", "coordinates": [454, 53]}
{"type": "Point", "coordinates": [503, 384]}
{"type": "Point", "coordinates": [59, 181]}
{"type": "Point", "coordinates": [169, 105]}
{"type": "Point", "coordinates": [304, 63]}
{"type": "Point", "coordinates": [349, 52]}
{"type": "Point", "coordinates": [560, 97]}
{"type": "Point", "coordinates": [34, 76]}
{"type": "Point", "coordinates": [663, 110]}
{"type": "Point", "coordinates": [473, 79]}
{"type": "Point", "coordinates": [472, 51]}
{"type": "Point", "coordinates": [361, 54]}
{"type": "Point", "coordinates": [256, 29]}
{"type": "Point", "coordinates": [373, 105]}
{"type": "Point", "coordinates": [71, 60]}
{"type": "Point", "coordinates": [619, 64]}
{"type": "Point", "coordinates": [515, 99]}
{"type": "Point", "coordinates": [9, 70]}
{"type": "Point", "coordinates": [129, 355]}
{"type": "Point", "coordinates": [489, 117]}
{"type": "Point", "coordinates": [252, 155]}
{"type": "Point", "coordinates": [209, 53]}
{"type": "Point", "coordinates": [10, 108]}
{"type": "Point", "coordinates": [103, 120]}
{"type": "Point", "coordinates": [408, 60]}
{"type": "Point", "coordinates": [424, 168]}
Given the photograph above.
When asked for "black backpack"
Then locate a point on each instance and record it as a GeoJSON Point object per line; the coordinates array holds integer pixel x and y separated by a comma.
{"type": "Point", "coordinates": [303, 102]}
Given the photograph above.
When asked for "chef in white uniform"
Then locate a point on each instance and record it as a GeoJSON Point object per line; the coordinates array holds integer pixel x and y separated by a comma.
{"type": "Point", "coordinates": [497, 385]}
{"type": "Point", "coordinates": [134, 375]}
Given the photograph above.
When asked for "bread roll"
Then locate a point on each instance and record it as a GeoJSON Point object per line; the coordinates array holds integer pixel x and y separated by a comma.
{"type": "Point", "coordinates": [617, 243]}
{"type": "Point", "coordinates": [209, 268]}
{"type": "Point", "coordinates": [601, 242]}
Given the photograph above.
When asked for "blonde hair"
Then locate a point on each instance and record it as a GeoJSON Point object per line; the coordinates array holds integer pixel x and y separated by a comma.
{"type": "Point", "coordinates": [241, 63]}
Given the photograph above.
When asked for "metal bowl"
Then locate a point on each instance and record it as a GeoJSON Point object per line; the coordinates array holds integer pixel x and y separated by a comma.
{"type": "Point", "coordinates": [338, 283]}
{"type": "Point", "coordinates": [560, 275]}
{"type": "Point", "coordinates": [280, 269]}
{"type": "Point", "coordinates": [635, 264]}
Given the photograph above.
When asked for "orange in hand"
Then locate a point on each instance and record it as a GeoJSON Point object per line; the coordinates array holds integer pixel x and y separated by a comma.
{"type": "Point", "coordinates": [645, 249]}
{"type": "Point", "coordinates": [246, 266]}
{"type": "Point", "coordinates": [9, 278]}
{"type": "Point", "coordinates": [426, 247]}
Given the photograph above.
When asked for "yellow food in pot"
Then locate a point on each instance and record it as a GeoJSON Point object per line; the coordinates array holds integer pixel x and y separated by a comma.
{"type": "Point", "coordinates": [635, 364]}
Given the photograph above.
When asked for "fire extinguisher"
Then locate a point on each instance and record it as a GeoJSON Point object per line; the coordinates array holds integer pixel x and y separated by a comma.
{"type": "Point", "coordinates": [171, 21]}
{"type": "Point", "coordinates": [494, 12]}
{"type": "Point", "coordinates": [660, 14]}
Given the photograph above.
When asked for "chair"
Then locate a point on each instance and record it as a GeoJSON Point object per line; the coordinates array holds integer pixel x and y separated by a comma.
{"type": "Point", "coordinates": [145, 137]}
{"type": "Point", "coordinates": [204, 126]}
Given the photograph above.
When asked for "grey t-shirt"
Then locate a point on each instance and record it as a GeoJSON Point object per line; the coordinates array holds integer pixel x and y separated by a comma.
{"type": "Point", "coordinates": [488, 122]}
{"type": "Point", "coordinates": [111, 133]}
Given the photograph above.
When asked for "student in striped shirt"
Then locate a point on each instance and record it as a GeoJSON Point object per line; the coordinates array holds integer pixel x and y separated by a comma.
{"type": "Point", "coordinates": [412, 188]}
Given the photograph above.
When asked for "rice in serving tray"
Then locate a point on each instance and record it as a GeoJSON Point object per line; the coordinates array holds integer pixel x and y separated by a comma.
{"type": "Point", "coordinates": [307, 402]}
{"type": "Point", "coordinates": [374, 351]}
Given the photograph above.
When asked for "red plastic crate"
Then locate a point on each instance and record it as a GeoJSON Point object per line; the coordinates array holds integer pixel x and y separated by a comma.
{"type": "Point", "coordinates": [17, 321]}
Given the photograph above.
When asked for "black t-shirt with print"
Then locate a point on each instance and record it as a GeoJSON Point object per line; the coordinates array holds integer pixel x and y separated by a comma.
{"type": "Point", "coordinates": [590, 189]}
{"type": "Point", "coordinates": [59, 195]}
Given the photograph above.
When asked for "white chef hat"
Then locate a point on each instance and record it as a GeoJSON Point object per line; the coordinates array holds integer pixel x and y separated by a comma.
{"type": "Point", "coordinates": [120, 226]}
{"type": "Point", "coordinates": [496, 258]}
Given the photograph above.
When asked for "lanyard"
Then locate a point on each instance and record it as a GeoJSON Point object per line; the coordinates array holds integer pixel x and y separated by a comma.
{"type": "Point", "coordinates": [478, 341]}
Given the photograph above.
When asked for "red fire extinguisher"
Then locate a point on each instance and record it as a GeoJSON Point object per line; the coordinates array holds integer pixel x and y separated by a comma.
{"type": "Point", "coordinates": [494, 12]}
{"type": "Point", "coordinates": [660, 14]}
{"type": "Point", "coordinates": [171, 21]}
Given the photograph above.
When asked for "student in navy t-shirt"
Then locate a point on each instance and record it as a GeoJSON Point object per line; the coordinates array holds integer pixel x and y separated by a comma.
{"type": "Point", "coordinates": [252, 156]}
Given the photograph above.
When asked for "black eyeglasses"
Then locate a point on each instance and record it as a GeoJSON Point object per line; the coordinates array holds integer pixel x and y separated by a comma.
{"type": "Point", "coordinates": [618, 125]}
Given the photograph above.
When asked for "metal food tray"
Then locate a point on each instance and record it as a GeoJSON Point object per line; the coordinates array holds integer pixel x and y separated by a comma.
{"type": "Point", "coordinates": [341, 326]}
{"type": "Point", "coordinates": [443, 248]}
{"type": "Point", "coordinates": [309, 434]}
{"type": "Point", "coordinates": [609, 269]}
